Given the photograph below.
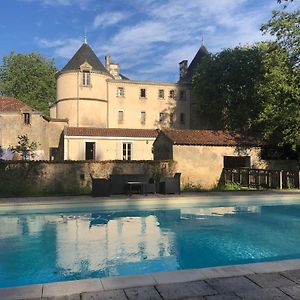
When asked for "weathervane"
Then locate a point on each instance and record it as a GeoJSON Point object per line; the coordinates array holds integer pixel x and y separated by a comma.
{"type": "Point", "coordinates": [85, 38]}
{"type": "Point", "coordinates": [202, 40]}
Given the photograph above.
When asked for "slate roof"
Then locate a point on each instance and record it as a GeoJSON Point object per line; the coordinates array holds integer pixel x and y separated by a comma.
{"type": "Point", "coordinates": [202, 52]}
{"type": "Point", "coordinates": [12, 104]}
{"type": "Point", "coordinates": [111, 132]}
{"type": "Point", "coordinates": [210, 138]}
{"type": "Point", "coordinates": [85, 54]}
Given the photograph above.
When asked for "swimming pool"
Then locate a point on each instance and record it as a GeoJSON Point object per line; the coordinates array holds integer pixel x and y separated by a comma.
{"type": "Point", "coordinates": [46, 243]}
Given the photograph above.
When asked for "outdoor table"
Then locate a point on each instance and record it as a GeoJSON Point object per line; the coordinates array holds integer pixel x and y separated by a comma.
{"type": "Point", "coordinates": [139, 184]}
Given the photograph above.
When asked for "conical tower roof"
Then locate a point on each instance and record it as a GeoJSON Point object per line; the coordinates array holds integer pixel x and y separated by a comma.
{"type": "Point", "coordinates": [85, 54]}
{"type": "Point", "coordinates": [195, 62]}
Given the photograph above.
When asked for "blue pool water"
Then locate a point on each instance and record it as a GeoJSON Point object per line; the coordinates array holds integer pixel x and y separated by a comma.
{"type": "Point", "coordinates": [46, 243]}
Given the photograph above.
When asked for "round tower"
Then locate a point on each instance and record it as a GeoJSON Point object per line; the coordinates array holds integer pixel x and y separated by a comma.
{"type": "Point", "coordinates": [82, 90]}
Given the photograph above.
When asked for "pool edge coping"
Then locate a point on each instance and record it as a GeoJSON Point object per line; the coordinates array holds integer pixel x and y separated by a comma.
{"type": "Point", "coordinates": [68, 288]}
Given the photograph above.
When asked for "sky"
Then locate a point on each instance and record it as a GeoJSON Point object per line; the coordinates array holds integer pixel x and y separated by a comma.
{"type": "Point", "coordinates": [148, 38]}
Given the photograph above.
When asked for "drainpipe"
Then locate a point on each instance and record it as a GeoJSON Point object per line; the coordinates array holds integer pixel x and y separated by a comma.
{"type": "Point", "coordinates": [107, 98]}
{"type": "Point", "coordinates": [78, 98]}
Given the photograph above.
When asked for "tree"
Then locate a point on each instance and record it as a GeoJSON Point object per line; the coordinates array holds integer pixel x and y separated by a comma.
{"type": "Point", "coordinates": [279, 94]}
{"type": "Point", "coordinates": [30, 78]}
{"type": "Point", "coordinates": [225, 84]}
{"type": "Point", "coordinates": [254, 89]}
{"type": "Point", "coordinates": [24, 147]}
{"type": "Point", "coordinates": [285, 26]}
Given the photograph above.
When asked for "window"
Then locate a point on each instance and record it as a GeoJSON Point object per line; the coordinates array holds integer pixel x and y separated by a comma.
{"type": "Point", "coordinates": [90, 150]}
{"type": "Point", "coordinates": [120, 116]}
{"type": "Point", "coordinates": [182, 95]}
{"type": "Point", "coordinates": [86, 78]}
{"type": "Point", "coordinates": [142, 93]}
{"type": "Point", "coordinates": [161, 94]}
{"type": "Point", "coordinates": [237, 161]}
{"type": "Point", "coordinates": [120, 92]}
{"type": "Point", "coordinates": [26, 117]}
{"type": "Point", "coordinates": [182, 119]}
{"type": "Point", "coordinates": [172, 94]}
{"type": "Point", "coordinates": [143, 117]}
{"type": "Point", "coordinates": [171, 118]}
{"type": "Point", "coordinates": [161, 117]}
{"type": "Point", "coordinates": [127, 151]}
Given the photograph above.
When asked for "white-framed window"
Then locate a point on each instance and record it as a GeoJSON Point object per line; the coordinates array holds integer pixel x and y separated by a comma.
{"type": "Point", "coordinates": [120, 92]}
{"type": "Point", "coordinates": [120, 116]}
{"type": "Point", "coordinates": [182, 118]}
{"type": "Point", "coordinates": [26, 117]}
{"type": "Point", "coordinates": [162, 116]}
{"type": "Point", "coordinates": [142, 93]}
{"type": "Point", "coordinates": [172, 94]}
{"type": "Point", "coordinates": [143, 117]}
{"type": "Point", "coordinates": [86, 78]}
{"type": "Point", "coordinates": [127, 151]}
{"type": "Point", "coordinates": [161, 94]}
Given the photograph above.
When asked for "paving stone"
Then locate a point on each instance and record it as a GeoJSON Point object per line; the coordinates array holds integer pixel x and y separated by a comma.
{"type": "Point", "coordinates": [184, 290]}
{"type": "Point", "coordinates": [193, 298]}
{"type": "Point", "coordinates": [229, 296]}
{"type": "Point", "coordinates": [292, 290]}
{"type": "Point", "coordinates": [263, 294]}
{"type": "Point", "coordinates": [293, 275]}
{"type": "Point", "coordinates": [232, 284]}
{"type": "Point", "coordinates": [21, 292]}
{"type": "Point", "coordinates": [71, 297]}
{"type": "Point", "coordinates": [269, 280]}
{"type": "Point", "coordinates": [143, 293]}
{"type": "Point", "coordinates": [105, 295]}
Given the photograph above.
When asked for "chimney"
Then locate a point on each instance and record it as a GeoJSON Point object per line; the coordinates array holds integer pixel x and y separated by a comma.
{"type": "Point", "coordinates": [183, 68]}
{"type": "Point", "coordinates": [107, 62]}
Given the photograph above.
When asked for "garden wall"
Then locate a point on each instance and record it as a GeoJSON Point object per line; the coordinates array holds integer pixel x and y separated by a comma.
{"type": "Point", "coordinates": [21, 178]}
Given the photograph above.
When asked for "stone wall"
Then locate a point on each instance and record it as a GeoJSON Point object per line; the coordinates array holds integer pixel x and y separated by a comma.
{"type": "Point", "coordinates": [19, 178]}
{"type": "Point", "coordinates": [202, 166]}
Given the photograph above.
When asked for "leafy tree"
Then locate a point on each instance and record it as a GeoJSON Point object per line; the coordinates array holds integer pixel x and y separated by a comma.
{"type": "Point", "coordinates": [24, 147]}
{"type": "Point", "coordinates": [279, 93]}
{"type": "Point", "coordinates": [225, 84]}
{"type": "Point", "coordinates": [30, 78]}
{"type": "Point", "coordinates": [285, 26]}
{"type": "Point", "coordinates": [254, 89]}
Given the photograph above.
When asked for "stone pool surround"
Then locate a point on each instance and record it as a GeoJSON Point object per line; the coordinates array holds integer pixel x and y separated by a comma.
{"type": "Point", "coordinates": [268, 280]}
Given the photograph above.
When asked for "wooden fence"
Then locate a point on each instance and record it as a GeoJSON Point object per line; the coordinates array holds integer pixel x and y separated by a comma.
{"type": "Point", "coordinates": [273, 179]}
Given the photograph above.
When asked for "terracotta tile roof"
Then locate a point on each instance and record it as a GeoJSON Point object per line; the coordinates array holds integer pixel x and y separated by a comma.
{"type": "Point", "coordinates": [12, 104]}
{"type": "Point", "coordinates": [210, 138]}
{"type": "Point", "coordinates": [113, 132]}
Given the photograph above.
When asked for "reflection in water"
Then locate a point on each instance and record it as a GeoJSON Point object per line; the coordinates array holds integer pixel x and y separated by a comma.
{"type": "Point", "coordinates": [53, 247]}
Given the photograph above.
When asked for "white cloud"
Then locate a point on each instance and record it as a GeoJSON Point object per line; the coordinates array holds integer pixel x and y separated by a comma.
{"type": "Point", "coordinates": [172, 31]}
{"type": "Point", "coordinates": [81, 3]}
{"type": "Point", "coordinates": [157, 34]}
{"type": "Point", "coordinates": [108, 19]}
{"type": "Point", "coordinates": [62, 48]}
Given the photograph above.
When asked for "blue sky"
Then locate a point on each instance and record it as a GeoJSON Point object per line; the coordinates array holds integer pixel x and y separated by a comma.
{"type": "Point", "coordinates": [146, 37]}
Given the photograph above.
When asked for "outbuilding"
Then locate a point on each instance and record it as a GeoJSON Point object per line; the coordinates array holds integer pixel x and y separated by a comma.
{"type": "Point", "coordinates": [201, 155]}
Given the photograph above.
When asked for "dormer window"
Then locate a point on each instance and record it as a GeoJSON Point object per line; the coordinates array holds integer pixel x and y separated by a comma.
{"type": "Point", "coordinates": [26, 117]}
{"type": "Point", "coordinates": [86, 78]}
